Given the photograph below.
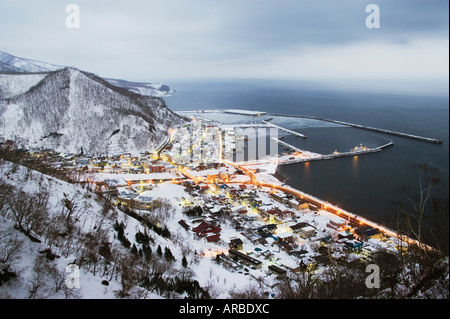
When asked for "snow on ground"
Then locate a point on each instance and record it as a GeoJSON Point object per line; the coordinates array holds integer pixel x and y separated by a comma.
{"type": "Point", "coordinates": [198, 252]}
{"type": "Point", "coordinates": [13, 84]}
{"type": "Point", "coordinates": [91, 286]}
{"type": "Point", "coordinates": [207, 271]}
{"type": "Point", "coordinates": [101, 177]}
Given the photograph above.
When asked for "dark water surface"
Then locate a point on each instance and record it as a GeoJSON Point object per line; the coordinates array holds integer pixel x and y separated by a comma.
{"type": "Point", "coordinates": [365, 185]}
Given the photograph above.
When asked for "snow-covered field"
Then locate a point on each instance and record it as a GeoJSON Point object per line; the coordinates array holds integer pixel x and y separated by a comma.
{"type": "Point", "coordinates": [39, 277]}
{"type": "Point", "coordinates": [208, 273]}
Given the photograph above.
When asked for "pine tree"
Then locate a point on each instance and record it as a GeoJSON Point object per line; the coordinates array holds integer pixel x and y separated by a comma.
{"type": "Point", "coordinates": [134, 250]}
{"type": "Point", "coordinates": [159, 251]}
{"type": "Point", "coordinates": [168, 254]}
{"type": "Point", "coordinates": [147, 250]}
{"type": "Point", "coordinates": [184, 262]}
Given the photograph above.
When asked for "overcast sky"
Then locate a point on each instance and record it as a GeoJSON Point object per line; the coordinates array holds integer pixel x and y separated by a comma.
{"type": "Point", "coordinates": [286, 39]}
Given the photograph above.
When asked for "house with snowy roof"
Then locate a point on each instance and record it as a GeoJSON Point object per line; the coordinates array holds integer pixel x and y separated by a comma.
{"type": "Point", "coordinates": [205, 228]}
{"type": "Point", "coordinates": [307, 232]}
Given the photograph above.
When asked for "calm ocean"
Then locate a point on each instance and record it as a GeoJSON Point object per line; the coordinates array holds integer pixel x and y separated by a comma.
{"type": "Point", "coordinates": [365, 185]}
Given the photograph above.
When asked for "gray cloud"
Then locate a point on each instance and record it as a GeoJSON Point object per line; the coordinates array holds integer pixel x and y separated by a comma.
{"type": "Point", "coordinates": [174, 38]}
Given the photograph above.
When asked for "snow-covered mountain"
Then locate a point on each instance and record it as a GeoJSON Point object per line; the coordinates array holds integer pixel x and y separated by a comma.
{"type": "Point", "coordinates": [143, 88]}
{"type": "Point", "coordinates": [70, 110]}
{"type": "Point", "coordinates": [11, 63]}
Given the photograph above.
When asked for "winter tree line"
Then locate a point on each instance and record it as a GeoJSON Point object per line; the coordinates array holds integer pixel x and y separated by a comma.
{"type": "Point", "coordinates": [69, 109]}
{"type": "Point", "coordinates": [88, 231]}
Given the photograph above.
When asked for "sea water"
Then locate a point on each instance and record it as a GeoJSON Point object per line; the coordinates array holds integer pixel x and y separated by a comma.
{"type": "Point", "coordinates": [368, 184]}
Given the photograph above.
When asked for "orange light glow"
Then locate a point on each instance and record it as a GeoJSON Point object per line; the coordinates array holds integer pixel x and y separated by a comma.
{"type": "Point", "coordinates": [213, 253]}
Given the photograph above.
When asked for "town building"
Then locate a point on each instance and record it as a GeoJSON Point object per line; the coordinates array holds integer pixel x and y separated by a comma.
{"type": "Point", "coordinates": [245, 259]}
{"type": "Point", "coordinates": [236, 243]}
{"type": "Point", "coordinates": [307, 232]}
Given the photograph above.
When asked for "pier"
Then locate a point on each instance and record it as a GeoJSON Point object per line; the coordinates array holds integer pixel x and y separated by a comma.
{"type": "Point", "coordinates": [286, 145]}
{"type": "Point", "coordinates": [303, 156]}
{"type": "Point", "coordinates": [284, 129]}
{"type": "Point", "coordinates": [334, 155]}
{"type": "Point", "coordinates": [373, 129]}
{"type": "Point", "coordinates": [255, 114]}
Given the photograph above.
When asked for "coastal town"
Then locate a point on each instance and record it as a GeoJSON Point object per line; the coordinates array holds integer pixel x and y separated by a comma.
{"type": "Point", "coordinates": [236, 212]}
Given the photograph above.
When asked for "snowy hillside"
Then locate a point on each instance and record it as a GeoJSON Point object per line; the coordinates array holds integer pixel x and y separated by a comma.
{"type": "Point", "coordinates": [70, 110]}
{"type": "Point", "coordinates": [15, 84]}
{"type": "Point", "coordinates": [13, 63]}
{"type": "Point", "coordinates": [147, 89]}
{"type": "Point", "coordinates": [72, 225]}
{"type": "Point", "coordinates": [76, 228]}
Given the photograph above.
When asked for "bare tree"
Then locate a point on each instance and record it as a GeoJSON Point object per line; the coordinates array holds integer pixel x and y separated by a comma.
{"type": "Point", "coordinates": [11, 249]}
{"type": "Point", "coordinates": [6, 191]}
{"type": "Point", "coordinates": [440, 224]}
{"type": "Point", "coordinates": [128, 266]}
{"type": "Point", "coordinates": [38, 283]}
{"type": "Point", "coordinates": [251, 292]}
{"type": "Point", "coordinates": [297, 286]}
{"type": "Point", "coordinates": [418, 202]}
{"type": "Point", "coordinates": [56, 276]}
{"type": "Point", "coordinates": [55, 230]}
{"type": "Point", "coordinates": [29, 211]}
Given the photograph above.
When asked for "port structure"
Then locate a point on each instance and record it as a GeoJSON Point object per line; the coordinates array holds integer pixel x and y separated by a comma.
{"type": "Point", "coordinates": [284, 129]}
{"type": "Point", "coordinates": [368, 128]}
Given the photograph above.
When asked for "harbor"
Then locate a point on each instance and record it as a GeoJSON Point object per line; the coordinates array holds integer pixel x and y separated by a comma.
{"type": "Point", "coordinates": [372, 129]}
{"type": "Point", "coordinates": [284, 129]}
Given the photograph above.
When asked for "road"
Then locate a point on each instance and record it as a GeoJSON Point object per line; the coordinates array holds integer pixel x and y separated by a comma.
{"type": "Point", "coordinates": [308, 198]}
{"type": "Point", "coordinates": [326, 206]}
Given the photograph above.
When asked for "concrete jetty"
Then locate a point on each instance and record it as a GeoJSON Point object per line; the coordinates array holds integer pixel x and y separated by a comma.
{"type": "Point", "coordinates": [286, 145]}
{"type": "Point", "coordinates": [373, 129]}
{"type": "Point", "coordinates": [284, 129]}
{"type": "Point", "coordinates": [332, 155]}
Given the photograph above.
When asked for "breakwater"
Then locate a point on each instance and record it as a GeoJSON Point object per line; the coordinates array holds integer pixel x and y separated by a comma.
{"type": "Point", "coordinates": [372, 129]}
